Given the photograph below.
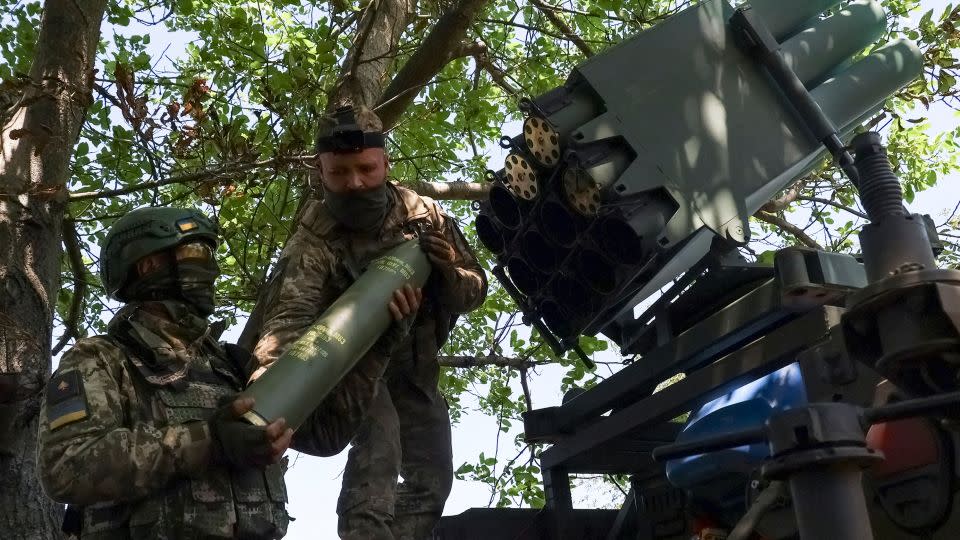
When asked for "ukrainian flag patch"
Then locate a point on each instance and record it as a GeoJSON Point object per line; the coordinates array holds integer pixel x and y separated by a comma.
{"type": "Point", "coordinates": [66, 399]}
{"type": "Point", "coordinates": [187, 225]}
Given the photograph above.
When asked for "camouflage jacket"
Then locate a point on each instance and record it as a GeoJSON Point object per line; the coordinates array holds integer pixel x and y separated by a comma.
{"type": "Point", "coordinates": [322, 259]}
{"type": "Point", "coordinates": [132, 451]}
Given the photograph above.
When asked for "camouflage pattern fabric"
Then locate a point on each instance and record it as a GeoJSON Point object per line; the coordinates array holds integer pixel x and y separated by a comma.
{"type": "Point", "coordinates": [407, 427]}
{"type": "Point", "coordinates": [136, 456]}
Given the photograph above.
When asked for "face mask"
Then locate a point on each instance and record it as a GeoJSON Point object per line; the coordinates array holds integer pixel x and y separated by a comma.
{"type": "Point", "coordinates": [361, 211]}
{"type": "Point", "coordinates": [197, 285]}
{"type": "Point", "coordinates": [192, 282]}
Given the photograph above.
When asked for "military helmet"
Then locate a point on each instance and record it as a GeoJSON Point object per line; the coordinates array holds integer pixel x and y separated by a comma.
{"type": "Point", "coordinates": [145, 231]}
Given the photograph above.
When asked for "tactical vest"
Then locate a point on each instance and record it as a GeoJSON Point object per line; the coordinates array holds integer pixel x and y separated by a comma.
{"type": "Point", "coordinates": [418, 214]}
{"type": "Point", "coordinates": [246, 504]}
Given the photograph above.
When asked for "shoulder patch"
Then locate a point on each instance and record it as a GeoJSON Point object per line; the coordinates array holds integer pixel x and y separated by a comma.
{"type": "Point", "coordinates": [66, 399]}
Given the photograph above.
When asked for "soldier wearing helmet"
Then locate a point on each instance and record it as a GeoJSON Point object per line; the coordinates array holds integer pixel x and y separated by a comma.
{"type": "Point", "coordinates": [141, 431]}
{"type": "Point", "coordinates": [360, 217]}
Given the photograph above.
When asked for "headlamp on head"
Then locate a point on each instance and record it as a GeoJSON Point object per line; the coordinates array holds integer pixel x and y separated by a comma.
{"type": "Point", "coordinates": [348, 136]}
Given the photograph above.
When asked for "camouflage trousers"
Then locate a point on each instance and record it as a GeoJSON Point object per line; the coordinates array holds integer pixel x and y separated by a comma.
{"type": "Point", "coordinates": [406, 433]}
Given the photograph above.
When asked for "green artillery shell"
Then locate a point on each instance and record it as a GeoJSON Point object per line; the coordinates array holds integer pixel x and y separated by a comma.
{"type": "Point", "coordinates": [309, 369]}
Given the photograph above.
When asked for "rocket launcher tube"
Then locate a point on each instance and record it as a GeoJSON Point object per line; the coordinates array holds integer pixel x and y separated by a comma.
{"type": "Point", "coordinates": [868, 82]}
{"type": "Point", "coordinates": [569, 106]}
{"type": "Point", "coordinates": [559, 224]}
{"type": "Point", "coordinates": [491, 234]}
{"type": "Point", "coordinates": [544, 255]}
{"type": "Point", "coordinates": [505, 207]}
{"type": "Point", "coordinates": [526, 279]}
{"type": "Point", "coordinates": [597, 271]}
{"type": "Point", "coordinates": [310, 368]}
{"type": "Point", "coordinates": [784, 18]}
{"type": "Point", "coordinates": [557, 318]}
{"type": "Point", "coordinates": [820, 49]}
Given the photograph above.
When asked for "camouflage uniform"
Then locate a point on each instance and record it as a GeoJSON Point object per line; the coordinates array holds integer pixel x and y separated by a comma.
{"type": "Point", "coordinates": [407, 431]}
{"type": "Point", "coordinates": [124, 438]}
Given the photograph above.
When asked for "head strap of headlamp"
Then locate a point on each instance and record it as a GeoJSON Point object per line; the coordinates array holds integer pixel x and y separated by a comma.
{"type": "Point", "coordinates": [348, 136]}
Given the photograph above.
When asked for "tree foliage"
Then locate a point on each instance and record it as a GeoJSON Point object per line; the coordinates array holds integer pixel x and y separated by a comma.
{"type": "Point", "coordinates": [216, 103]}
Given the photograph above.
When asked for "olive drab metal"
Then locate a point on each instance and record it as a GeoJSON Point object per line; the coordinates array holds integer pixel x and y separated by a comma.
{"type": "Point", "coordinates": [309, 369]}
{"type": "Point", "coordinates": [623, 177]}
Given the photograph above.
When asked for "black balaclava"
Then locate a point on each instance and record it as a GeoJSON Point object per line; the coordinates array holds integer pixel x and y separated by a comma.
{"type": "Point", "coordinates": [190, 280]}
{"type": "Point", "coordinates": [361, 211]}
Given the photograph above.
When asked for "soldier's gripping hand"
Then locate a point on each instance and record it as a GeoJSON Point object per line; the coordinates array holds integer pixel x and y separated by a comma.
{"type": "Point", "coordinates": [438, 250]}
{"type": "Point", "coordinates": [405, 302]}
{"type": "Point", "coordinates": [239, 444]}
{"type": "Point", "coordinates": [403, 307]}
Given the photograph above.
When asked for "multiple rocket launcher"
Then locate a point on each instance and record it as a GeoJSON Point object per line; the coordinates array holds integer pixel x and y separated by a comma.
{"type": "Point", "coordinates": [624, 176]}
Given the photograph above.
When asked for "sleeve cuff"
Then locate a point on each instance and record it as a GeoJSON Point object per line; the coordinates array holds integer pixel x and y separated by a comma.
{"type": "Point", "coordinates": [192, 444]}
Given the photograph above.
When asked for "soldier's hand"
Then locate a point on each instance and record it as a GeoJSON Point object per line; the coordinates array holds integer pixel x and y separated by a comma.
{"type": "Point", "coordinates": [439, 251]}
{"type": "Point", "coordinates": [405, 302]}
{"type": "Point", "coordinates": [239, 444]}
{"type": "Point", "coordinates": [403, 306]}
{"type": "Point", "coordinates": [279, 436]}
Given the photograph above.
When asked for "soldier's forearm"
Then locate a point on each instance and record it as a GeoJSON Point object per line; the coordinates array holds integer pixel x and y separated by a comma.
{"type": "Point", "coordinates": [123, 464]}
{"type": "Point", "coordinates": [278, 334]}
{"type": "Point", "coordinates": [464, 289]}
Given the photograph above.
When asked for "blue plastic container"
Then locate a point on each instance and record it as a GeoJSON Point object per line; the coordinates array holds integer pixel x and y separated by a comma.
{"type": "Point", "coordinates": [718, 478]}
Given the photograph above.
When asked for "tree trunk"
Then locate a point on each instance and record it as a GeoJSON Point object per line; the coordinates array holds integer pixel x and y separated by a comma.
{"type": "Point", "coordinates": [366, 69]}
{"type": "Point", "coordinates": [36, 142]}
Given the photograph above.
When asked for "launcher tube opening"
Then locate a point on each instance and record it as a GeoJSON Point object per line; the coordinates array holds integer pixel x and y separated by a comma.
{"type": "Point", "coordinates": [523, 276]}
{"type": "Point", "coordinates": [621, 241]}
{"type": "Point", "coordinates": [505, 206]}
{"type": "Point", "coordinates": [558, 223]}
{"type": "Point", "coordinates": [597, 271]}
{"type": "Point", "coordinates": [490, 234]}
{"type": "Point", "coordinates": [543, 255]}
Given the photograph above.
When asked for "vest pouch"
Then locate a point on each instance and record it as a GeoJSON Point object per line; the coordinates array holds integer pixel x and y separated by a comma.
{"type": "Point", "coordinates": [208, 509]}
{"type": "Point", "coordinates": [145, 517]}
{"type": "Point", "coordinates": [260, 494]}
{"type": "Point", "coordinates": [250, 485]}
{"type": "Point", "coordinates": [214, 487]}
{"type": "Point", "coordinates": [276, 487]}
{"type": "Point", "coordinates": [196, 402]}
{"type": "Point", "coordinates": [105, 521]}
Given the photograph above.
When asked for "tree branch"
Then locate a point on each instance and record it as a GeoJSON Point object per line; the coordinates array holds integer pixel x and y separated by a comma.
{"type": "Point", "coordinates": [797, 232]}
{"type": "Point", "coordinates": [196, 176]}
{"type": "Point", "coordinates": [482, 361]}
{"type": "Point", "coordinates": [441, 191]}
{"type": "Point", "coordinates": [834, 204]}
{"type": "Point", "coordinates": [527, 397]}
{"type": "Point", "coordinates": [498, 76]}
{"type": "Point", "coordinates": [789, 196]}
{"type": "Point", "coordinates": [437, 48]}
{"type": "Point", "coordinates": [532, 28]}
{"type": "Point", "coordinates": [448, 191]}
{"type": "Point", "coordinates": [557, 21]}
{"type": "Point", "coordinates": [71, 242]}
